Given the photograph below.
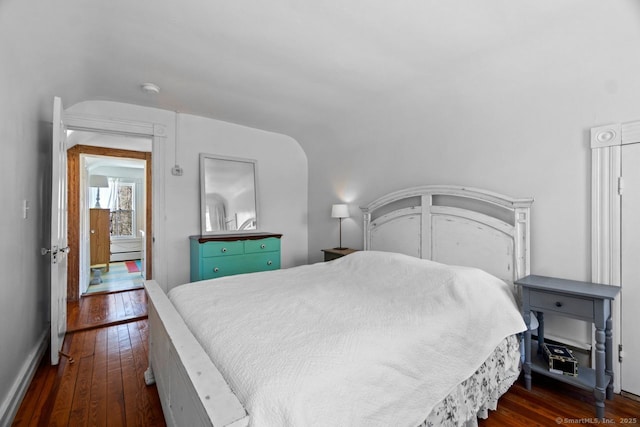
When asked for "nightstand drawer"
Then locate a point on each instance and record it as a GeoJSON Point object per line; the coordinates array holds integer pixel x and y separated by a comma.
{"type": "Point", "coordinates": [572, 306]}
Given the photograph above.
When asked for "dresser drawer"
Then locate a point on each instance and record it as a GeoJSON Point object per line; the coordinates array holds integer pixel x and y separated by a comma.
{"type": "Point", "coordinates": [211, 249]}
{"type": "Point", "coordinates": [262, 245]}
{"type": "Point", "coordinates": [261, 262]}
{"type": "Point", "coordinates": [569, 305]}
{"type": "Point", "coordinates": [213, 267]}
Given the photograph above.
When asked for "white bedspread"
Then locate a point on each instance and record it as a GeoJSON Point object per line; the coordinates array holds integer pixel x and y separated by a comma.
{"type": "Point", "coordinates": [370, 339]}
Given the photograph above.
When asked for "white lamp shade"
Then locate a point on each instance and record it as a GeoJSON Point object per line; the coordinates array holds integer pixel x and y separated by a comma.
{"type": "Point", "coordinates": [339, 211]}
{"type": "Point", "coordinates": [98, 181]}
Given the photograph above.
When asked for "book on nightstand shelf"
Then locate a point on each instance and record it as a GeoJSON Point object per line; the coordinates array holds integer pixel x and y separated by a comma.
{"type": "Point", "coordinates": [560, 359]}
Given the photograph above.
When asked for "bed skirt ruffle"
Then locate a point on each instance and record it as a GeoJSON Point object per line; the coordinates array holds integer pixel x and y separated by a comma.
{"type": "Point", "coordinates": [475, 396]}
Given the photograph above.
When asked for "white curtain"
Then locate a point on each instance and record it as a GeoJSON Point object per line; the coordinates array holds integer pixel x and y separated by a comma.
{"type": "Point", "coordinates": [112, 202]}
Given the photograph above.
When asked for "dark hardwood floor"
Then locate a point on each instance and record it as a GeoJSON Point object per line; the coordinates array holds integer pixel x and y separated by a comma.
{"type": "Point", "coordinates": [551, 403]}
{"type": "Point", "coordinates": [104, 386]}
{"type": "Point", "coordinates": [99, 310]}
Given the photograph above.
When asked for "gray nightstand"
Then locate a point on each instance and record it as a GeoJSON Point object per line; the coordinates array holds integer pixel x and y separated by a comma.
{"type": "Point", "coordinates": [330, 254]}
{"type": "Point", "coordinates": [579, 300]}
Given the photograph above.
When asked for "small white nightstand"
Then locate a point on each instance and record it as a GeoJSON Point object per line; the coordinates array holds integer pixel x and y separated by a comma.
{"type": "Point", "coordinates": [579, 300]}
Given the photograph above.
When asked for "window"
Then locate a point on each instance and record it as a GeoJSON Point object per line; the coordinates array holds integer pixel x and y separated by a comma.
{"type": "Point", "coordinates": [123, 214]}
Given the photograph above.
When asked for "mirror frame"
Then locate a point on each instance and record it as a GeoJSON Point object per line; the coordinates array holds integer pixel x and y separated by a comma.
{"type": "Point", "coordinates": [203, 196]}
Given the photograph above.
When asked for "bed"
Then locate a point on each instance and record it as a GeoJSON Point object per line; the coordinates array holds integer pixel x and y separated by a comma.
{"type": "Point", "coordinates": [398, 334]}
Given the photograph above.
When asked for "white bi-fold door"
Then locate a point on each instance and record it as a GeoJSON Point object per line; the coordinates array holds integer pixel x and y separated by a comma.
{"type": "Point", "coordinates": [630, 269]}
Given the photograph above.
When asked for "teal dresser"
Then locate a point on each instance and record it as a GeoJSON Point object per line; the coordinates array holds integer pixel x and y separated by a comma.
{"type": "Point", "coordinates": [227, 254]}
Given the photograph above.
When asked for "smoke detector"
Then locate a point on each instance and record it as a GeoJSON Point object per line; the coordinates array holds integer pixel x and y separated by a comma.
{"type": "Point", "coordinates": [150, 88]}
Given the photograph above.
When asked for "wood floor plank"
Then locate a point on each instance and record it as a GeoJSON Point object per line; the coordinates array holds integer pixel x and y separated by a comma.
{"type": "Point", "coordinates": [144, 403]}
{"type": "Point", "coordinates": [40, 413]}
{"type": "Point", "coordinates": [128, 376]}
{"type": "Point", "coordinates": [115, 395]}
{"type": "Point", "coordinates": [97, 415]}
{"type": "Point", "coordinates": [89, 344]}
{"type": "Point", "coordinates": [143, 327]}
{"type": "Point", "coordinates": [39, 389]}
{"type": "Point", "coordinates": [112, 308]}
{"type": "Point", "coordinates": [93, 310]}
{"type": "Point", "coordinates": [119, 304]}
{"type": "Point", "coordinates": [127, 304]}
{"type": "Point", "coordinates": [139, 301]}
{"type": "Point", "coordinates": [66, 389]}
{"type": "Point", "coordinates": [79, 412]}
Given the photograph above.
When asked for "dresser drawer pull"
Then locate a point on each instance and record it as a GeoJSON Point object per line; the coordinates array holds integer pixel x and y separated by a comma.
{"type": "Point", "coordinates": [269, 262]}
{"type": "Point", "coordinates": [262, 246]}
{"type": "Point", "coordinates": [559, 304]}
{"type": "Point", "coordinates": [215, 270]}
{"type": "Point", "coordinates": [224, 249]}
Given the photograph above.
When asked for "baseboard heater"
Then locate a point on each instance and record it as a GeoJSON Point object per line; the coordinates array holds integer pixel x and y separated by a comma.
{"type": "Point", "coordinates": [126, 256]}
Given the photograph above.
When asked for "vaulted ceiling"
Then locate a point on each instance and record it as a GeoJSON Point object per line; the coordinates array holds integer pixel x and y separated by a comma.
{"type": "Point", "coordinates": [298, 67]}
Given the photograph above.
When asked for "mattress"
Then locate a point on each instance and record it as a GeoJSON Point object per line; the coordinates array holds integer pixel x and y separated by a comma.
{"type": "Point", "coordinates": [372, 339]}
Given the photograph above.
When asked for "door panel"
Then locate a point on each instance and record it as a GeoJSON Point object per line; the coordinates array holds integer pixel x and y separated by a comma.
{"type": "Point", "coordinates": [630, 293]}
{"type": "Point", "coordinates": [58, 246]}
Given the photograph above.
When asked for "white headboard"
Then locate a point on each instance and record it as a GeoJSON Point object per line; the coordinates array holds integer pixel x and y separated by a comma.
{"type": "Point", "coordinates": [453, 225]}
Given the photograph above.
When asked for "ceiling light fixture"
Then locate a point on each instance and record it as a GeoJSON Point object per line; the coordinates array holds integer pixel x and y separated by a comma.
{"type": "Point", "coordinates": [150, 88]}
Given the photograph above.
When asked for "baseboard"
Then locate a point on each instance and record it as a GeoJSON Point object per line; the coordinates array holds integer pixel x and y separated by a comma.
{"type": "Point", "coordinates": [10, 406]}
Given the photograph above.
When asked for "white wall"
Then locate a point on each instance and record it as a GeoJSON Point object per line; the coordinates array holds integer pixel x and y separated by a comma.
{"type": "Point", "coordinates": [514, 120]}
{"type": "Point", "coordinates": [25, 167]}
{"type": "Point", "coordinates": [282, 180]}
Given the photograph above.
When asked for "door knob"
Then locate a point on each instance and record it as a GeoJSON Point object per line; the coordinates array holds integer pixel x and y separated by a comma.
{"type": "Point", "coordinates": [45, 251]}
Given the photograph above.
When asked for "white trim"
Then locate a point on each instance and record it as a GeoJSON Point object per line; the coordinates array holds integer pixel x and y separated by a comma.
{"type": "Point", "coordinates": [9, 408]}
{"type": "Point", "coordinates": [118, 126]}
{"type": "Point", "coordinates": [630, 132]}
{"type": "Point", "coordinates": [605, 215]}
{"type": "Point", "coordinates": [606, 136]}
{"type": "Point", "coordinates": [606, 225]}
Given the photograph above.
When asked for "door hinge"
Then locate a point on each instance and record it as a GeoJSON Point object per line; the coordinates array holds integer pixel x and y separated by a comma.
{"type": "Point", "coordinates": [620, 353]}
{"type": "Point", "coordinates": [620, 185]}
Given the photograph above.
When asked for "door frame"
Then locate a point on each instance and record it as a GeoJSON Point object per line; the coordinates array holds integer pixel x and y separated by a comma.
{"type": "Point", "coordinates": [158, 133]}
{"type": "Point", "coordinates": [74, 173]}
{"type": "Point", "coordinates": [606, 220]}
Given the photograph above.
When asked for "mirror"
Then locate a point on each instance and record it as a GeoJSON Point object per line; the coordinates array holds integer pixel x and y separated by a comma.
{"type": "Point", "coordinates": [228, 195]}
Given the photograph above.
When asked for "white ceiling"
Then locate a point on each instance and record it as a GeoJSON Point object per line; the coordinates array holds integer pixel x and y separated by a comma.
{"type": "Point", "coordinates": [284, 65]}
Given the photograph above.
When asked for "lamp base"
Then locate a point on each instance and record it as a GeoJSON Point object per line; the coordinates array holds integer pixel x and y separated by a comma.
{"type": "Point", "coordinates": [340, 249]}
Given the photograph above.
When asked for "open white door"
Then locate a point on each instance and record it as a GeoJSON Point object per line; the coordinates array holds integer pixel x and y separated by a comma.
{"type": "Point", "coordinates": [59, 248]}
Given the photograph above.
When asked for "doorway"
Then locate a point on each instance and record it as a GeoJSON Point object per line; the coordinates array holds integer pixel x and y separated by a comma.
{"type": "Point", "coordinates": [615, 195]}
{"type": "Point", "coordinates": [114, 210]}
{"type": "Point", "coordinates": [127, 249]}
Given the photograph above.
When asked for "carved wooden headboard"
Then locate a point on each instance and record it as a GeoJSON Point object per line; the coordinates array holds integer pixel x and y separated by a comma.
{"type": "Point", "coordinates": [453, 225]}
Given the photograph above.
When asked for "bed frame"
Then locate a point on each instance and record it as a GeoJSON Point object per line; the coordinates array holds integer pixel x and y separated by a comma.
{"type": "Point", "coordinates": [451, 224]}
